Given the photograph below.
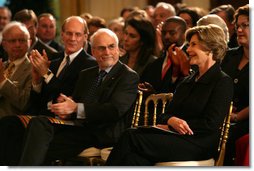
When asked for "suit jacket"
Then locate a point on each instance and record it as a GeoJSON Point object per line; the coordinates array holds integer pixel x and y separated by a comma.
{"type": "Point", "coordinates": [3, 54]}
{"type": "Point", "coordinates": [57, 46]}
{"type": "Point", "coordinates": [15, 93]}
{"type": "Point", "coordinates": [110, 115]}
{"type": "Point", "coordinates": [241, 77]}
{"type": "Point", "coordinates": [138, 67]}
{"type": "Point", "coordinates": [105, 119]}
{"type": "Point", "coordinates": [152, 75]}
{"type": "Point", "coordinates": [51, 52]}
{"type": "Point", "coordinates": [203, 105]}
{"type": "Point", "coordinates": [56, 86]}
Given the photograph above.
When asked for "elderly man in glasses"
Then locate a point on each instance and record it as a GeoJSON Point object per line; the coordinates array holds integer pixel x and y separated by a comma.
{"type": "Point", "coordinates": [15, 74]}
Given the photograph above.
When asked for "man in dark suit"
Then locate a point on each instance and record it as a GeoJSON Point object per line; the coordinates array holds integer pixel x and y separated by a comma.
{"type": "Point", "coordinates": [104, 115]}
{"type": "Point", "coordinates": [47, 84]}
{"type": "Point", "coordinates": [173, 31]}
{"type": "Point", "coordinates": [47, 31]}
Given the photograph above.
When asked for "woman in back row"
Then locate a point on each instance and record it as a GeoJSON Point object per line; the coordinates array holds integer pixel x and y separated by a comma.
{"type": "Point", "coordinates": [139, 43]}
{"type": "Point", "coordinates": [236, 65]}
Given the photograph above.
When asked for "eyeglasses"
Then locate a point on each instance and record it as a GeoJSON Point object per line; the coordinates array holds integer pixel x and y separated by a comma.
{"type": "Point", "coordinates": [103, 48]}
{"type": "Point", "coordinates": [12, 41]}
{"type": "Point", "coordinates": [242, 26]}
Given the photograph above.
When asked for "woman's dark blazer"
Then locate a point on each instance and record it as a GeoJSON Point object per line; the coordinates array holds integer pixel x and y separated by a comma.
{"type": "Point", "coordinates": [203, 104]}
{"type": "Point", "coordinates": [240, 77]}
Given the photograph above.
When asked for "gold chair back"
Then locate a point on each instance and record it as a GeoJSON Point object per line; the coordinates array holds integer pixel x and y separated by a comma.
{"type": "Point", "coordinates": [136, 114]}
{"type": "Point", "coordinates": [155, 98]}
{"type": "Point", "coordinates": [223, 139]}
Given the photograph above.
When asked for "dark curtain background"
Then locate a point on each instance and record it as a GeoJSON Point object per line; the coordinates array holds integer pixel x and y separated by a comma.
{"type": "Point", "coordinates": [38, 6]}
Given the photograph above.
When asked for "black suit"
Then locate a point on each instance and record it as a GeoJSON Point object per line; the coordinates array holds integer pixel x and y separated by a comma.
{"type": "Point", "coordinates": [202, 104]}
{"type": "Point", "coordinates": [105, 119]}
{"type": "Point", "coordinates": [57, 46]}
{"type": "Point", "coordinates": [152, 74]}
{"type": "Point", "coordinates": [241, 87]}
{"type": "Point", "coordinates": [64, 85]}
{"type": "Point", "coordinates": [241, 97]}
{"type": "Point", "coordinates": [40, 46]}
{"type": "Point", "coordinates": [3, 54]}
{"type": "Point", "coordinates": [11, 129]}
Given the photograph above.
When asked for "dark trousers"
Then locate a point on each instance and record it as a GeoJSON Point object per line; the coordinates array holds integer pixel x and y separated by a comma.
{"type": "Point", "coordinates": [146, 147]}
{"type": "Point", "coordinates": [45, 142]}
{"type": "Point", "coordinates": [11, 133]}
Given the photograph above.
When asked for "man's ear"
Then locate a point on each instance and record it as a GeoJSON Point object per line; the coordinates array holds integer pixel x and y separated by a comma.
{"type": "Point", "coordinates": [86, 37]}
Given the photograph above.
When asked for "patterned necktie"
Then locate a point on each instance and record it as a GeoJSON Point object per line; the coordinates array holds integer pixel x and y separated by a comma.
{"type": "Point", "coordinates": [9, 70]}
{"type": "Point", "coordinates": [67, 63]}
{"type": "Point", "coordinates": [91, 96]}
{"type": "Point", "coordinates": [165, 68]}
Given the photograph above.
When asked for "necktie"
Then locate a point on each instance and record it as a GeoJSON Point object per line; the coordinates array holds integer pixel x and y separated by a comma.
{"type": "Point", "coordinates": [91, 95]}
{"type": "Point", "coordinates": [165, 68]}
{"type": "Point", "coordinates": [9, 70]}
{"type": "Point", "coordinates": [67, 63]}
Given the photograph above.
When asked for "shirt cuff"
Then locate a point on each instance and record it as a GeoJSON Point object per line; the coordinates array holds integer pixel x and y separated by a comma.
{"type": "Point", "coordinates": [49, 77]}
{"type": "Point", "coordinates": [81, 111]}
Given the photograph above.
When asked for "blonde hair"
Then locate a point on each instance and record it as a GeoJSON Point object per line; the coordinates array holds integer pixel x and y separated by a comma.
{"type": "Point", "coordinates": [212, 39]}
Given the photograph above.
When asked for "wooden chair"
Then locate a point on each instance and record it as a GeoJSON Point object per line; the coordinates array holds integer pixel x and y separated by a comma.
{"type": "Point", "coordinates": [221, 148]}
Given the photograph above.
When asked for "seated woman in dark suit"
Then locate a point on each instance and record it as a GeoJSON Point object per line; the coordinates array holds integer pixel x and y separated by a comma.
{"type": "Point", "coordinates": [196, 112]}
{"type": "Point", "coordinates": [236, 65]}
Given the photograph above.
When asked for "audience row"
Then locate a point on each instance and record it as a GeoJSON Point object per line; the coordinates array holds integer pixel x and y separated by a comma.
{"type": "Point", "coordinates": [91, 78]}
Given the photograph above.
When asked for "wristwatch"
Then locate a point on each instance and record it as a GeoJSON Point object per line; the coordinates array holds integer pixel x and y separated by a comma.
{"type": "Point", "coordinates": [45, 76]}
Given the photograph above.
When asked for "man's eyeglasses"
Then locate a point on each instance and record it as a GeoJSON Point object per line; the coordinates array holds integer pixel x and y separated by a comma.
{"type": "Point", "coordinates": [242, 26]}
{"type": "Point", "coordinates": [12, 41]}
{"type": "Point", "coordinates": [103, 48]}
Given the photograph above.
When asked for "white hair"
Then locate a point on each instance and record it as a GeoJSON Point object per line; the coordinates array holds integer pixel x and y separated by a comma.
{"type": "Point", "coordinates": [15, 24]}
{"type": "Point", "coordinates": [214, 19]}
{"type": "Point", "coordinates": [167, 6]}
{"type": "Point", "coordinates": [103, 30]}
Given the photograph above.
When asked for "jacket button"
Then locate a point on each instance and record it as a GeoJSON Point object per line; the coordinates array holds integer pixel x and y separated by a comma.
{"type": "Point", "coordinates": [235, 80]}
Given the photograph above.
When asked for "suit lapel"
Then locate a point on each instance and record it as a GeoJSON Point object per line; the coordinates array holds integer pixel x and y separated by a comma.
{"type": "Point", "coordinates": [114, 72]}
{"type": "Point", "coordinates": [209, 78]}
{"type": "Point", "coordinates": [76, 61]}
{"type": "Point", "coordinates": [55, 64]}
{"type": "Point", "coordinates": [72, 66]}
{"type": "Point", "coordinates": [110, 78]}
